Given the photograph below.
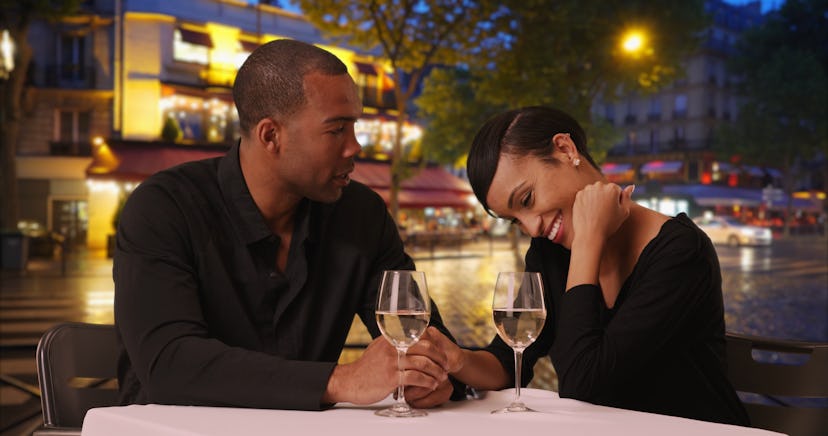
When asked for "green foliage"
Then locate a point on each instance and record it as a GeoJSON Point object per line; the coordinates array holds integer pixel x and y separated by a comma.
{"type": "Point", "coordinates": [412, 35]}
{"type": "Point", "coordinates": [453, 114]}
{"type": "Point", "coordinates": [564, 54]}
{"type": "Point", "coordinates": [171, 132]}
{"type": "Point", "coordinates": [784, 69]}
{"type": "Point", "coordinates": [14, 13]}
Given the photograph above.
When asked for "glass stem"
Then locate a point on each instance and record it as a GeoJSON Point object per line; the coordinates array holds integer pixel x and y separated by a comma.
{"type": "Point", "coordinates": [400, 390]}
{"type": "Point", "coordinates": [518, 370]}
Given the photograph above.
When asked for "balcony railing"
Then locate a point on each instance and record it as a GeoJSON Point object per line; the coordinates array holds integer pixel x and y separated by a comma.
{"type": "Point", "coordinates": [70, 148]}
{"type": "Point", "coordinates": [673, 145]}
{"type": "Point", "coordinates": [64, 76]}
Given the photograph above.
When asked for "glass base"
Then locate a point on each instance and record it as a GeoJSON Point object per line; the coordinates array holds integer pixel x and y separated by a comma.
{"type": "Point", "coordinates": [514, 407]}
{"type": "Point", "coordinates": [401, 411]}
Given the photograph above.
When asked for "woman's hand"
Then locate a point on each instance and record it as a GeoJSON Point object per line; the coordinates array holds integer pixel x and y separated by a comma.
{"type": "Point", "coordinates": [440, 349]}
{"type": "Point", "coordinates": [452, 357]}
{"type": "Point", "coordinates": [599, 210]}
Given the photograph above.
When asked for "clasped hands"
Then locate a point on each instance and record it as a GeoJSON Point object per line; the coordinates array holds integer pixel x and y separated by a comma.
{"type": "Point", "coordinates": [426, 366]}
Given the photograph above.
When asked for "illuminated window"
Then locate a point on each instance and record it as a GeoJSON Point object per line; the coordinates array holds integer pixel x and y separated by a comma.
{"type": "Point", "coordinates": [245, 48]}
{"type": "Point", "coordinates": [190, 46]}
{"type": "Point", "coordinates": [202, 119]}
{"type": "Point", "coordinates": [680, 108]}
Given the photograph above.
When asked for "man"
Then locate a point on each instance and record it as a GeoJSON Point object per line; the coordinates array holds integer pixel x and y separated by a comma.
{"type": "Point", "coordinates": [237, 278]}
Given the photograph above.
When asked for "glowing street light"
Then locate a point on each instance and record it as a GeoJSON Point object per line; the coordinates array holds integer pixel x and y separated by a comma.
{"type": "Point", "coordinates": [633, 41]}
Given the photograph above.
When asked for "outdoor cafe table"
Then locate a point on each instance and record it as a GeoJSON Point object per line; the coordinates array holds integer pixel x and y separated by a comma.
{"type": "Point", "coordinates": [556, 416]}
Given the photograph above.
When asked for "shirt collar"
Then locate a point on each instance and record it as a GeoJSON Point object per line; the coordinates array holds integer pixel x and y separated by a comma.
{"type": "Point", "coordinates": [247, 218]}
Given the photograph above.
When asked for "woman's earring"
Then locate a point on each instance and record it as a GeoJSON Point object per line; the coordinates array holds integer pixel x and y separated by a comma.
{"type": "Point", "coordinates": [576, 162]}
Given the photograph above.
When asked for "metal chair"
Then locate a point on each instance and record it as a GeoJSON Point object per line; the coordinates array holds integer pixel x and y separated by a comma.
{"type": "Point", "coordinates": [76, 369]}
{"type": "Point", "coordinates": [795, 382]}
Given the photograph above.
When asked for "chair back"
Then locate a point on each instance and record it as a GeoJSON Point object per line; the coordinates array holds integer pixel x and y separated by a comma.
{"type": "Point", "coordinates": [76, 369]}
{"type": "Point", "coordinates": [782, 389]}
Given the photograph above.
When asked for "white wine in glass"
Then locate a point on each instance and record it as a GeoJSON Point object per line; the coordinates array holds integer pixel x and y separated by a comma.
{"type": "Point", "coordinates": [403, 311]}
{"type": "Point", "coordinates": [519, 313]}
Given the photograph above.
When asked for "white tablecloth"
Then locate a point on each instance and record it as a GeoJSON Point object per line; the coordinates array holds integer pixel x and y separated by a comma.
{"type": "Point", "coordinates": [555, 416]}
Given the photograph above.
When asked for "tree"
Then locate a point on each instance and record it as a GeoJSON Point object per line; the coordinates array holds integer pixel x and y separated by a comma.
{"type": "Point", "coordinates": [452, 114]}
{"type": "Point", "coordinates": [411, 35]}
{"type": "Point", "coordinates": [16, 16]}
{"type": "Point", "coordinates": [567, 53]}
{"type": "Point", "coordinates": [783, 66]}
{"type": "Point", "coordinates": [171, 131]}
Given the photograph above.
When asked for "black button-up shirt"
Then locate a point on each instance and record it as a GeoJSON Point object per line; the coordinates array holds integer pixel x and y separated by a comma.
{"type": "Point", "coordinates": [204, 316]}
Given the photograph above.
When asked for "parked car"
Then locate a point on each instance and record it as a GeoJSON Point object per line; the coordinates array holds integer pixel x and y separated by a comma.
{"type": "Point", "coordinates": [730, 231]}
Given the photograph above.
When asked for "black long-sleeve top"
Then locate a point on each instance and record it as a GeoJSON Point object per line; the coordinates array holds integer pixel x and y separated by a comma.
{"type": "Point", "coordinates": [203, 315]}
{"type": "Point", "coordinates": [660, 349]}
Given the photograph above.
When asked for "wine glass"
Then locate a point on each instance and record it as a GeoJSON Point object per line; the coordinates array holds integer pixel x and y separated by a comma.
{"type": "Point", "coordinates": [403, 311]}
{"type": "Point", "coordinates": [519, 314]}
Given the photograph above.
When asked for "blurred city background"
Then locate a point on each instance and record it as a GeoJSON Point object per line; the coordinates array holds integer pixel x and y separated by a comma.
{"type": "Point", "coordinates": [712, 108]}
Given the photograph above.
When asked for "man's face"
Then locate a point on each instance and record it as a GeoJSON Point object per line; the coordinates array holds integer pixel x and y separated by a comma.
{"type": "Point", "coordinates": [318, 143]}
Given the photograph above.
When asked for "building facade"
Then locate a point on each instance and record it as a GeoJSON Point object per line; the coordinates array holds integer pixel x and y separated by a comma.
{"type": "Point", "coordinates": [150, 71]}
{"type": "Point", "coordinates": [669, 135]}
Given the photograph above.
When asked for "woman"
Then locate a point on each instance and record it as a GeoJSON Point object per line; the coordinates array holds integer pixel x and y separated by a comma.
{"type": "Point", "coordinates": [635, 301]}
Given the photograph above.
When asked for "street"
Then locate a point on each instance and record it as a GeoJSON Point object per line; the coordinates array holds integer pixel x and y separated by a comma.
{"type": "Point", "coordinates": [779, 291]}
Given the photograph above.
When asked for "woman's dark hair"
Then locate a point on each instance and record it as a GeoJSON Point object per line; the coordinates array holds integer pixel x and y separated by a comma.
{"type": "Point", "coordinates": [519, 132]}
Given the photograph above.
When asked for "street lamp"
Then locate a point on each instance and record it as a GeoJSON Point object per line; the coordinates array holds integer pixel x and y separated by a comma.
{"type": "Point", "coordinates": [633, 42]}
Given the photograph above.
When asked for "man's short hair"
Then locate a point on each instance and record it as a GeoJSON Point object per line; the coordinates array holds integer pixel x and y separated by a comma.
{"type": "Point", "coordinates": [270, 82]}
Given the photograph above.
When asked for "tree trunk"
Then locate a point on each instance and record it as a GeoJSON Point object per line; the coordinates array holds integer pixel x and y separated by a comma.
{"type": "Point", "coordinates": [397, 161]}
{"type": "Point", "coordinates": [514, 240]}
{"type": "Point", "coordinates": [11, 91]}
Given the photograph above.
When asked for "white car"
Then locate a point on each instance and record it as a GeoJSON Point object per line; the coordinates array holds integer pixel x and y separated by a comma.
{"type": "Point", "coordinates": [730, 231]}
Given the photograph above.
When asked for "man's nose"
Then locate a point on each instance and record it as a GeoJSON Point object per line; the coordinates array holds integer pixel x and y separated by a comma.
{"type": "Point", "coordinates": [352, 147]}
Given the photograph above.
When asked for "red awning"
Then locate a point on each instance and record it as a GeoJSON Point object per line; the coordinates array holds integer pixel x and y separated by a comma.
{"type": "Point", "coordinates": [428, 187]}
{"type": "Point", "coordinates": [612, 168]}
{"type": "Point", "coordinates": [378, 175]}
{"type": "Point", "coordinates": [415, 199]}
{"type": "Point", "coordinates": [662, 167]}
{"type": "Point", "coordinates": [134, 162]}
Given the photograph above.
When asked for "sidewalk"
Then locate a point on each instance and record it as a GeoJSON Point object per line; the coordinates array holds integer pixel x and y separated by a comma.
{"type": "Point", "coordinates": [47, 292]}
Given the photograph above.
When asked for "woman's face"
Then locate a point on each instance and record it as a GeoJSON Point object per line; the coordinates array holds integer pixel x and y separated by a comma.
{"type": "Point", "coordinates": [539, 195]}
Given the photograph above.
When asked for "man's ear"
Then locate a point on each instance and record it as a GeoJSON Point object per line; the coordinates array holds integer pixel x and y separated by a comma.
{"type": "Point", "coordinates": [267, 134]}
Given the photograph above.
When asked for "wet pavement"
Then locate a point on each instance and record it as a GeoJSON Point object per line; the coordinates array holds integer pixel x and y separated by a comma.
{"type": "Point", "coordinates": [779, 291]}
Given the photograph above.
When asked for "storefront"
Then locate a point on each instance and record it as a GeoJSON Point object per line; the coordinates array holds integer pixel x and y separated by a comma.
{"type": "Point", "coordinates": [432, 198]}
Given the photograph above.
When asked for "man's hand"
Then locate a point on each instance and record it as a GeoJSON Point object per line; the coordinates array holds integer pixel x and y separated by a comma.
{"type": "Point", "coordinates": [376, 374]}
